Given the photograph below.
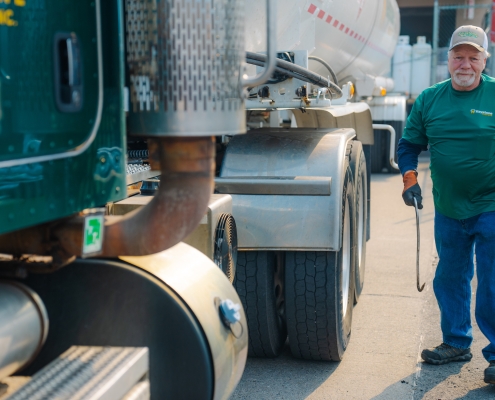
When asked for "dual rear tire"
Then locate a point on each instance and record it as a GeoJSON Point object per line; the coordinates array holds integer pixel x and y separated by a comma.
{"type": "Point", "coordinates": [311, 295]}
{"type": "Point", "coordinates": [359, 171]}
{"type": "Point", "coordinates": [319, 292]}
{"type": "Point", "coordinates": [259, 284]}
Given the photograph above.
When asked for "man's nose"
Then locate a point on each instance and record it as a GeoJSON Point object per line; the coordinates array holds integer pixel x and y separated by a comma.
{"type": "Point", "coordinates": [465, 63]}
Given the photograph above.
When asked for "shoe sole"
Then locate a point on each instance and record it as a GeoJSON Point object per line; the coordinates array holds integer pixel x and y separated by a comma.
{"type": "Point", "coordinates": [490, 380]}
{"type": "Point", "coordinates": [464, 357]}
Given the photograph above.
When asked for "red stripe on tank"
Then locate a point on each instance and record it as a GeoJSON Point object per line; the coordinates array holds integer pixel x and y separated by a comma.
{"type": "Point", "coordinates": [321, 14]}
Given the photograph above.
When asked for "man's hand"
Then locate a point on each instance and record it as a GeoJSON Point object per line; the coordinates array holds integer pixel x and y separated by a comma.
{"type": "Point", "coordinates": [411, 189]}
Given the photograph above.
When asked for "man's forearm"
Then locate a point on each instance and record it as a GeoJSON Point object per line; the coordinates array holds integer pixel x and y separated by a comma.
{"type": "Point", "coordinates": [407, 155]}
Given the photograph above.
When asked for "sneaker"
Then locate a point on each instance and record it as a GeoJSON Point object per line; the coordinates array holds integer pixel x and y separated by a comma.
{"type": "Point", "coordinates": [445, 353]}
{"type": "Point", "coordinates": [490, 373]}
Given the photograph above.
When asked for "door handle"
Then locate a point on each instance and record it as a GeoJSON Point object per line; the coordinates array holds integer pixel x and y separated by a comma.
{"type": "Point", "coordinates": [68, 72]}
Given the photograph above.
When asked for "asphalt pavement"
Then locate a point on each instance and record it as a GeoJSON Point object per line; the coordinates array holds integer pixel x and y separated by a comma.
{"type": "Point", "coordinates": [392, 323]}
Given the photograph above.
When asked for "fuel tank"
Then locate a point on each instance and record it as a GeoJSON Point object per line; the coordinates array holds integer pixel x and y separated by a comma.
{"type": "Point", "coordinates": [177, 303]}
{"type": "Point", "coordinates": [356, 37]}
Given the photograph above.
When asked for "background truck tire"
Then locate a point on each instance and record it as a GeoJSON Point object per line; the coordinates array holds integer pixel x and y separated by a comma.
{"type": "Point", "coordinates": [359, 172]}
{"type": "Point", "coordinates": [258, 283]}
{"type": "Point", "coordinates": [319, 293]}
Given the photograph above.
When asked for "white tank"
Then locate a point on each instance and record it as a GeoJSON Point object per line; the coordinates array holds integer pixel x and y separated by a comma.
{"type": "Point", "coordinates": [401, 65]}
{"type": "Point", "coordinates": [421, 64]}
{"type": "Point", "coordinates": [356, 37]}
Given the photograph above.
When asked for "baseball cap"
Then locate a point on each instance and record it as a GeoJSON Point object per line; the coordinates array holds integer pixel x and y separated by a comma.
{"type": "Point", "coordinates": [469, 34]}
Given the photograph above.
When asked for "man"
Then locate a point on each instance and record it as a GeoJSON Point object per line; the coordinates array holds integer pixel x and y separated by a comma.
{"type": "Point", "coordinates": [456, 120]}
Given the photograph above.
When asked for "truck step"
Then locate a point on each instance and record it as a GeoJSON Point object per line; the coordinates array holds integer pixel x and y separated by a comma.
{"type": "Point", "coordinates": [91, 373]}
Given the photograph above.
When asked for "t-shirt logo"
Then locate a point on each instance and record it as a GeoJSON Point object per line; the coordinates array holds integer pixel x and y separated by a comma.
{"type": "Point", "coordinates": [468, 34]}
{"type": "Point", "coordinates": [484, 113]}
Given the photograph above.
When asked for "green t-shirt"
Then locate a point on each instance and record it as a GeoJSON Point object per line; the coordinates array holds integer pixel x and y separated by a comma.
{"type": "Point", "coordinates": [459, 128]}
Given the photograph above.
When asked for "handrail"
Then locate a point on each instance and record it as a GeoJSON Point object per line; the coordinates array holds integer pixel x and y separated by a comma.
{"type": "Point", "coordinates": [271, 48]}
{"type": "Point", "coordinates": [391, 129]}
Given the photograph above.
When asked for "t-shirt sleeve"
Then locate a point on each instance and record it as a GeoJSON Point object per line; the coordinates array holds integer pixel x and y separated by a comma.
{"type": "Point", "coordinates": [407, 155]}
{"type": "Point", "coordinates": [415, 131]}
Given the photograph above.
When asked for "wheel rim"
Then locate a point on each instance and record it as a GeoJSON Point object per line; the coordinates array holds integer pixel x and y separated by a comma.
{"type": "Point", "coordinates": [346, 258]}
{"type": "Point", "coordinates": [361, 223]}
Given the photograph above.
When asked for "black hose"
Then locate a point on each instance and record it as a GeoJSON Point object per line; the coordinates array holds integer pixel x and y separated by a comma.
{"type": "Point", "coordinates": [297, 72]}
{"type": "Point", "coordinates": [327, 66]}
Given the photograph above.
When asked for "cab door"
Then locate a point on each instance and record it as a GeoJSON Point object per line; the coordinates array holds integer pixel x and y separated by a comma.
{"type": "Point", "coordinates": [51, 89]}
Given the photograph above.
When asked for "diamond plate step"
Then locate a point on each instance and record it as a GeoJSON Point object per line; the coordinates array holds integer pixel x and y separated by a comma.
{"type": "Point", "coordinates": [91, 373]}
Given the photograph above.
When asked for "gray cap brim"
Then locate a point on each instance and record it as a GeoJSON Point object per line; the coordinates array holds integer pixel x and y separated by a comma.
{"type": "Point", "coordinates": [477, 47]}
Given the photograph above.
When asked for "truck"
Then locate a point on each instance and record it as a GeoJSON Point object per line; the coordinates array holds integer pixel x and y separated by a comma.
{"type": "Point", "coordinates": [299, 180]}
{"type": "Point", "coordinates": [102, 306]}
{"type": "Point", "coordinates": [300, 177]}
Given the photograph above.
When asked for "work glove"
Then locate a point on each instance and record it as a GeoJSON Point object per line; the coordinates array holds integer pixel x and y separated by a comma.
{"type": "Point", "coordinates": [411, 189]}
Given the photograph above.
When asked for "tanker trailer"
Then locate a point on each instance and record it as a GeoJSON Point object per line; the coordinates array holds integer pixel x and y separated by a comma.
{"type": "Point", "coordinates": [301, 191]}
{"type": "Point", "coordinates": [98, 306]}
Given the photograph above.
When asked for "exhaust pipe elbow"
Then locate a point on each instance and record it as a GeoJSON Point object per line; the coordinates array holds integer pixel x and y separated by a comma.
{"type": "Point", "coordinates": [187, 168]}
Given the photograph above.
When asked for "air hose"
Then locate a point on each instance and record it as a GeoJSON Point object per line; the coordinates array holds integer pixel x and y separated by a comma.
{"type": "Point", "coordinates": [295, 71]}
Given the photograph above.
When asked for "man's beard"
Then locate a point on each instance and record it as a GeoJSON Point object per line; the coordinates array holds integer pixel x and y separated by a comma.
{"type": "Point", "coordinates": [463, 80]}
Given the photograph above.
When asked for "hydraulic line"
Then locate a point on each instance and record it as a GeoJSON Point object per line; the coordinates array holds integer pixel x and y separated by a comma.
{"type": "Point", "coordinates": [327, 66]}
{"type": "Point", "coordinates": [295, 71]}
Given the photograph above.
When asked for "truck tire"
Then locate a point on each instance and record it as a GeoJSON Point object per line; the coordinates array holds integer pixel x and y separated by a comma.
{"type": "Point", "coordinates": [259, 284]}
{"type": "Point", "coordinates": [319, 293]}
{"type": "Point", "coordinates": [358, 167]}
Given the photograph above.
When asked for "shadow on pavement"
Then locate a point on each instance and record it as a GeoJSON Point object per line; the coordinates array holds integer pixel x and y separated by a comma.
{"type": "Point", "coordinates": [284, 377]}
{"type": "Point", "coordinates": [455, 381]}
{"type": "Point", "coordinates": [487, 392]}
{"type": "Point", "coordinates": [390, 393]}
{"type": "Point", "coordinates": [431, 376]}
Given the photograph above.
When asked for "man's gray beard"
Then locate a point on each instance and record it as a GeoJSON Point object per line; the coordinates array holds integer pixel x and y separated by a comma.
{"type": "Point", "coordinates": [461, 82]}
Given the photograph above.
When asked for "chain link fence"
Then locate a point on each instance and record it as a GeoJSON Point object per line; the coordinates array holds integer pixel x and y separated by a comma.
{"type": "Point", "coordinates": [448, 17]}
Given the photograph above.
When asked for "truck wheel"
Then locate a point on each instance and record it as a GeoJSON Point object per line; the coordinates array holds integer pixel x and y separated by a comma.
{"type": "Point", "coordinates": [319, 293]}
{"type": "Point", "coordinates": [259, 284]}
{"type": "Point", "coordinates": [358, 168]}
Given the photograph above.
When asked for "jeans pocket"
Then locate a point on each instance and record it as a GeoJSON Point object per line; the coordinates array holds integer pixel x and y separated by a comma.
{"type": "Point", "coordinates": [484, 147]}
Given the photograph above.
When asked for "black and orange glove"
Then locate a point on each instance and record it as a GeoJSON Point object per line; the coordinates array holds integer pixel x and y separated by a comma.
{"type": "Point", "coordinates": [411, 189]}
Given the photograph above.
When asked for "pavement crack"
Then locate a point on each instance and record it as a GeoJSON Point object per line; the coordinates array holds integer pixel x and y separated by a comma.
{"type": "Point", "coordinates": [389, 295]}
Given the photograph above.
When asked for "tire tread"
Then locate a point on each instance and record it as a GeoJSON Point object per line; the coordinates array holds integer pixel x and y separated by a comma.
{"type": "Point", "coordinates": [253, 285]}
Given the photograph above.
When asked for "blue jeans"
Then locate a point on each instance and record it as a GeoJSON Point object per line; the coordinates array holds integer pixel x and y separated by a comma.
{"type": "Point", "coordinates": [456, 241]}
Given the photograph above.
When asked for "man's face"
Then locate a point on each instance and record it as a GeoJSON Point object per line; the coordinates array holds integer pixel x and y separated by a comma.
{"type": "Point", "coordinates": [465, 66]}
